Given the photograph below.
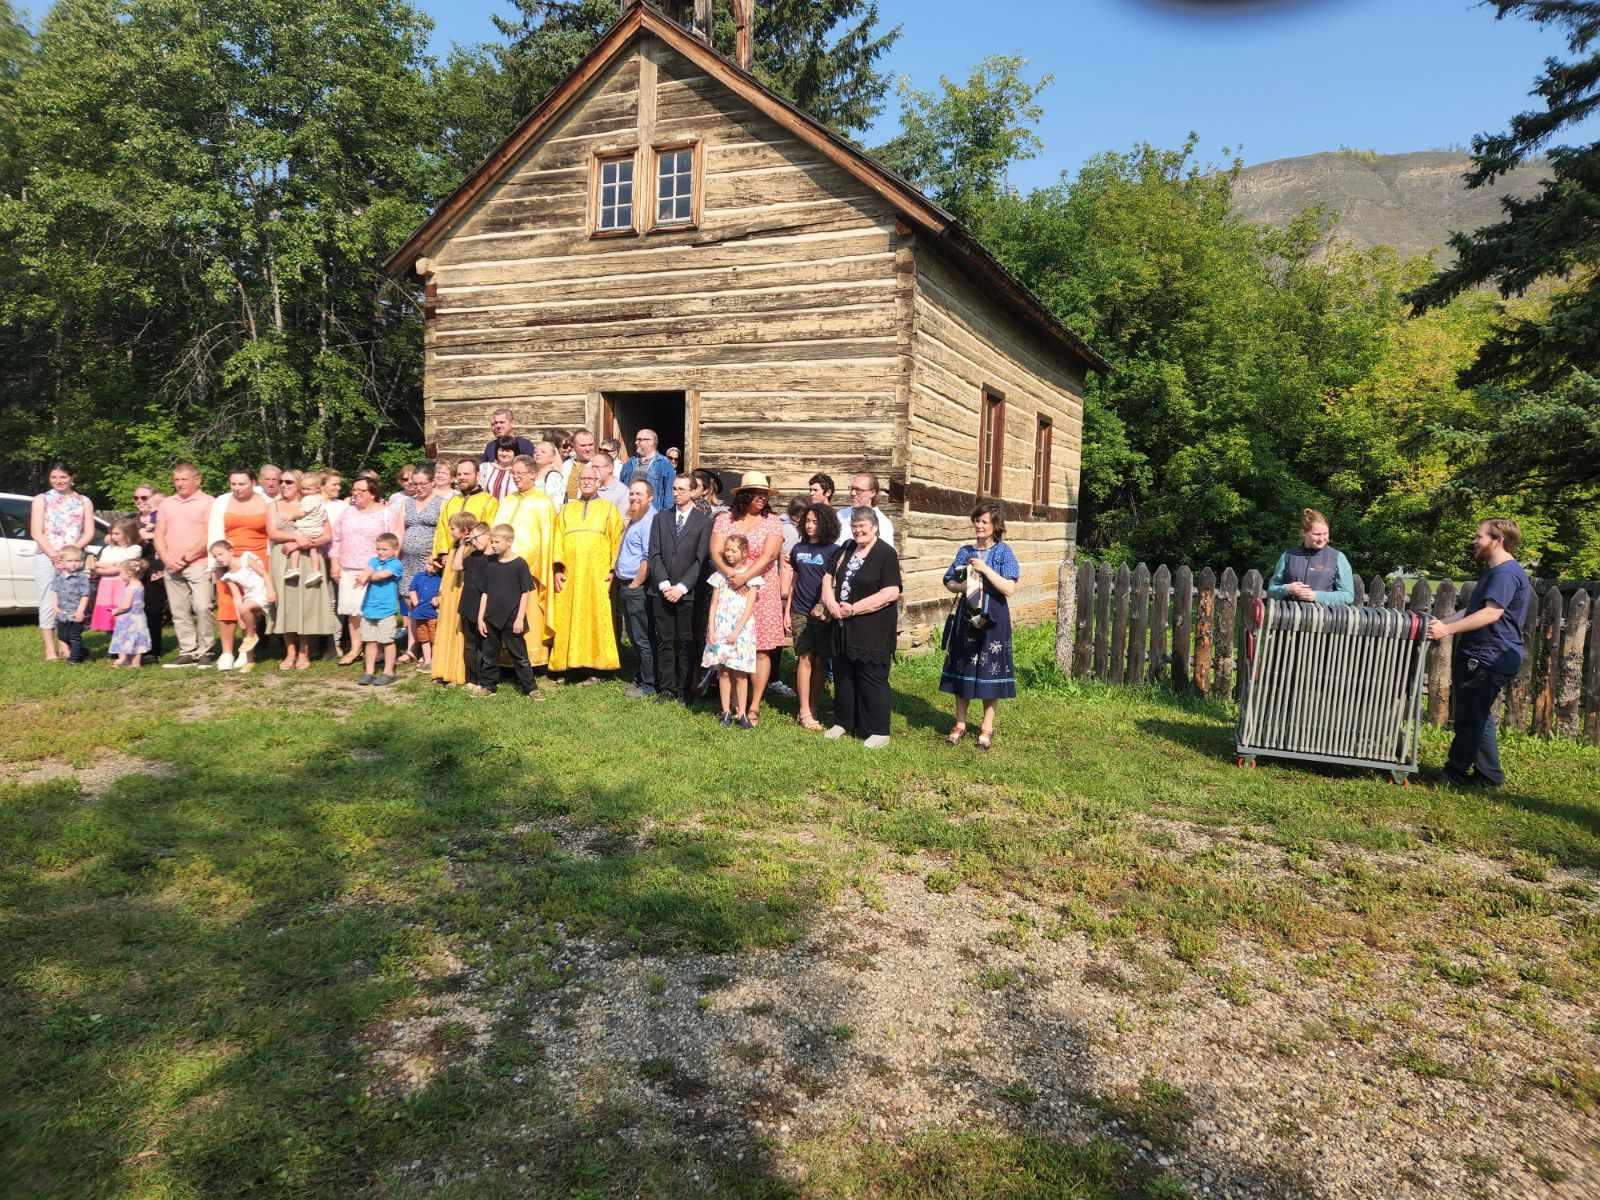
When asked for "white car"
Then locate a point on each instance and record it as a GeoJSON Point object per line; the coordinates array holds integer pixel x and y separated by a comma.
{"type": "Point", "coordinates": [18, 591]}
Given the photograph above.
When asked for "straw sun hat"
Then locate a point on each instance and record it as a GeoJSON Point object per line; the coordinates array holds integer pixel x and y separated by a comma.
{"type": "Point", "coordinates": [754, 481]}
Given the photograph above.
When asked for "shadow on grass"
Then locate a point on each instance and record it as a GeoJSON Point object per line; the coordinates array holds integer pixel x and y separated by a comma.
{"type": "Point", "coordinates": [198, 968]}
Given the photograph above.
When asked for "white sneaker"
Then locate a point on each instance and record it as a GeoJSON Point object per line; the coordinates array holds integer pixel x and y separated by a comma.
{"type": "Point", "coordinates": [877, 741]}
{"type": "Point", "coordinates": [291, 574]}
{"type": "Point", "coordinates": [225, 662]}
{"type": "Point", "coordinates": [835, 733]}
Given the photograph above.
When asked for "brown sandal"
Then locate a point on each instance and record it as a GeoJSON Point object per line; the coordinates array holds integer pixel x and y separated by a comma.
{"type": "Point", "coordinates": [956, 734]}
{"type": "Point", "coordinates": [810, 723]}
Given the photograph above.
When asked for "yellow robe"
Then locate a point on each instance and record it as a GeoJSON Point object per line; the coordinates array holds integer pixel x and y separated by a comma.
{"type": "Point", "coordinates": [449, 647]}
{"type": "Point", "coordinates": [533, 516]}
{"type": "Point", "coordinates": [588, 535]}
{"type": "Point", "coordinates": [480, 504]}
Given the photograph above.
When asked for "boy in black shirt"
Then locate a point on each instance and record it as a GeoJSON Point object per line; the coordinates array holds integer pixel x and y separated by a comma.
{"type": "Point", "coordinates": [473, 564]}
{"type": "Point", "coordinates": [502, 615]}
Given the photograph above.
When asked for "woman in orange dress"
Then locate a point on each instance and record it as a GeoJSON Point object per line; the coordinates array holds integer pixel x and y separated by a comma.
{"type": "Point", "coordinates": [240, 519]}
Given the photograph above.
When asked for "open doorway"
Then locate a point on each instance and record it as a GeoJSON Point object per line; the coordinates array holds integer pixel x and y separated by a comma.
{"type": "Point", "coordinates": [625, 413]}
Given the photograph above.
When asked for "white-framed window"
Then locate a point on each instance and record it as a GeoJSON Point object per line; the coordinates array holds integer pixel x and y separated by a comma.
{"type": "Point", "coordinates": [675, 178]}
{"type": "Point", "coordinates": [613, 194]}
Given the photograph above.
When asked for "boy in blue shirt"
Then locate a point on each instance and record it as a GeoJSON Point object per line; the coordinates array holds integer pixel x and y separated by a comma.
{"type": "Point", "coordinates": [422, 601]}
{"type": "Point", "coordinates": [1488, 651]}
{"type": "Point", "coordinates": [380, 608]}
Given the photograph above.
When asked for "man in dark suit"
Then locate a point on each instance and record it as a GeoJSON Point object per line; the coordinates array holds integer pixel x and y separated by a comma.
{"type": "Point", "coordinates": [680, 539]}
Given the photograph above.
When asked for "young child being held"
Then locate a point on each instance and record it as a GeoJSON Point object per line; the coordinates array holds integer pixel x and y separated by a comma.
{"type": "Point", "coordinates": [130, 633]}
{"type": "Point", "coordinates": [731, 633]}
{"type": "Point", "coordinates": [380, 609]}
{"type": "Point", "coordinates": [122, 545]}
{"type": "Point", "coordinates": [502, 616]}
{"type": "Point", "coordinates": [307, 523]}
{"type": "Point", "coordinates": [422, 603]}
{"type": "Point", "coordinates": [71, 588]}
{"type": "Point", "coordinates": [245, 575]}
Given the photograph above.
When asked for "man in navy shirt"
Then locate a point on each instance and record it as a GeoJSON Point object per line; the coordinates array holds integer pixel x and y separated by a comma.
{"type": "Point", "coordinates": [1488, 650]}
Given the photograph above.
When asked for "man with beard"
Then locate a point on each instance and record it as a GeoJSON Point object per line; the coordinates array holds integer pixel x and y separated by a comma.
{"type": "Point", "coordinates": [588, 535]}
{"type": "Point", "coordinates": [1488, 651]}
{"type": "Point", "coordinates": [468, 498]}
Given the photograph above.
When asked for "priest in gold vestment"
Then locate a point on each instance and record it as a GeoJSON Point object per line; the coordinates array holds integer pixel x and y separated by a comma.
{"type": "Point", "coordinates": [528, 510]}
{"type": "Point", "coordinates": [469, 498]}
{"type": "Point", "coordinates": [588, 535]}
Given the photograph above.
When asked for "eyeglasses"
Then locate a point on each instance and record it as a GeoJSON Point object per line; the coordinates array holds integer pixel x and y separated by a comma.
{"type": "Point", "coordinates": [855, 491]}
{"type": "Point", "coordinates": [145, 496]}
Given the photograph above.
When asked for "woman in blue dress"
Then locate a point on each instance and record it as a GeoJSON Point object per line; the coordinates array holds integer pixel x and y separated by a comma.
{"type": "Point", "coordinates": [977, 664]}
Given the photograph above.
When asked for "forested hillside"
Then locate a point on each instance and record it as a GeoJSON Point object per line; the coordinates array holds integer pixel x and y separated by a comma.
{"type": "Point", "coordinates": [195, 198]}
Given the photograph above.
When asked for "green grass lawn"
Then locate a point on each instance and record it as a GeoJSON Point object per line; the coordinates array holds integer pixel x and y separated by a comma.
{"type": "Point", "coordinates": [193, 951]}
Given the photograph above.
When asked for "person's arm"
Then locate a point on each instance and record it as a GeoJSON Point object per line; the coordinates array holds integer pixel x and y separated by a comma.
{"type": "Point", "coordinates": [1344, 591]}
{"type": "Point", "coordinates": [829, 600]}
{"type": "Point", "coordinates": [483, 609]}
{"type": "Point", "coordinates": [379, 574]}
{"type": "Point", "coordinates": [216, 524]}
{"type": "Point", "coordinates": [786, 590]}
{"type": "Point", "coordinates": [951, 583]}
{"type": "Point", "coordinates": [642, 575]}
{"type": "Point", "coordinates": [86, 534]}
{"type": "Point", "coordinates": [520, 625]}
{"type": "Point", "coordinates": [1277, 586]}
{"type": "Point", "coordinates": [1443, 627]}
{"type": "Point", "coordinates": [711, 617]}
{"type": "Point", "coordinates": [770, 549]}
{"type": "Point", "coordinates": [745, 614]}
{"type": "Point", "coordinates": [83, 608]}
{"type": "Point", "coordinates": [412, 600]}
{"type": "Point", "coordinates": [998, 580]}
{"type": "Point", "coordinates": [36, 531]}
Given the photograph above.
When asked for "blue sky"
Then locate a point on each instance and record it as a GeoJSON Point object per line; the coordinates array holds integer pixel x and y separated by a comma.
{"type": "Point", "coordinates": [1270, 80]}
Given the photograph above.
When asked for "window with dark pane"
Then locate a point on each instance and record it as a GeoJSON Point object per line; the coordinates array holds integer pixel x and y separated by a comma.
{"type": "Point", "coordinates": [674, 186]}
{"type": "Point", "coordinates": [616, 194]}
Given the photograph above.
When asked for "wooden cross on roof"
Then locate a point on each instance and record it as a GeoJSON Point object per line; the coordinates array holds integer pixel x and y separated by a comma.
{"type": "Point", "coordinates": [697, 17]}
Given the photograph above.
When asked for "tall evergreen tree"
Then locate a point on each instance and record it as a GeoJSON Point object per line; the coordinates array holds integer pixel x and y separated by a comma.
{"type": "Point", "coordinates": [1550, 235]}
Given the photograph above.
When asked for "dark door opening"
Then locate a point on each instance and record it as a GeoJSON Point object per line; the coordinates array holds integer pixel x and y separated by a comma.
{"type": "Point", "coordinates": [628, 412]}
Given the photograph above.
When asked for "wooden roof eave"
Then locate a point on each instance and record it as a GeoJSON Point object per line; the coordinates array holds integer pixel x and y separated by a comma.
{"type": "Point", "coordinates": [970, 254]}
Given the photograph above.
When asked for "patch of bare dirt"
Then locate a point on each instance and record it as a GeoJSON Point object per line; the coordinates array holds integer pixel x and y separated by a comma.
{"type": "Point", "coordinates": [96, 777]}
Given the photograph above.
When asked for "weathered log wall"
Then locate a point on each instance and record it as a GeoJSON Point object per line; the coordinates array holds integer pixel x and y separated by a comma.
{"type": "Point", "coordinates": [777, 314]}
{"type": "Point", "coordinates": [962, 343]}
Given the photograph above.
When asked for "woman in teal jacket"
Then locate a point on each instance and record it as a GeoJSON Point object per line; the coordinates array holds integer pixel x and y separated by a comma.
{"type": "Point", "coordinates": [1313, 571]}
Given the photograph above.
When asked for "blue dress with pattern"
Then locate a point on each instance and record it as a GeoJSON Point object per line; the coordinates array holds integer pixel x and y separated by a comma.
{"type": "Point", "coordinates": [131, 634]}
{"type": "Point", "coordinates": [977, 664]}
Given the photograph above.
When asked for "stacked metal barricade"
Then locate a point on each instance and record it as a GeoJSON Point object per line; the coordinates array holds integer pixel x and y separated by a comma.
{"type": "Point", "coordinates": [1334, 684]}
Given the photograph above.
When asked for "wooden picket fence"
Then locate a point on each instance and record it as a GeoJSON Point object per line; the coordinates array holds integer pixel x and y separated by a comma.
{"type": "Point", "coordinates": [1135, 627]}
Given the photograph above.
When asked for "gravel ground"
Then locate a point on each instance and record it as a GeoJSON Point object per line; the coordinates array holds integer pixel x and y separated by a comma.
{"type": "Point", "coordinates": [906, 1014]}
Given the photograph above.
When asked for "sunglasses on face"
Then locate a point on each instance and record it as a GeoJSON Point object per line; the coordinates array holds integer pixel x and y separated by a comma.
{"type": "Point", "coordinates": [146, 496]}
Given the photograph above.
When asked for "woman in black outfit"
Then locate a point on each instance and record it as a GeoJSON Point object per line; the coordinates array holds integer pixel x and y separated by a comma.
{"type": "Point", "coordinates": [861, 592]}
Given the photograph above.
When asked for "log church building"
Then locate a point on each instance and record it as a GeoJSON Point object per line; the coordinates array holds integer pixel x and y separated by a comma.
{"type": "Point", "coordinates": [666, 243]}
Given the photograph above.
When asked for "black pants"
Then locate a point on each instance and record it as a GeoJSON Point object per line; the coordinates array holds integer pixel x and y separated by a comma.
{"type": "Point", "coordinates": [516, 645]}
{"type": "Point", "coordinates": [71, 635]}
{"type": "Point", "coordinates": [675, 645]}
{"type": "Point", "coordinates": [1477, 685]}
{"type": "Point", "coordinates": [861, 696]}
{"type": "Point", "coordinates": [470, 645]}
{"type": "Point", "coordinates": [155, 611]}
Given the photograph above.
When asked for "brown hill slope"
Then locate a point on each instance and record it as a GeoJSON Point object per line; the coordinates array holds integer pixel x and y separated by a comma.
{"type": "Point", "coordinates": [1412, 202]}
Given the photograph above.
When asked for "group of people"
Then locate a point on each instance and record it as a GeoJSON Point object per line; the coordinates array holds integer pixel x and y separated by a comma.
{"type": "Point", "coordinates": [1488, 645]}
{"type": "Point", "coordinates": [543, 556]}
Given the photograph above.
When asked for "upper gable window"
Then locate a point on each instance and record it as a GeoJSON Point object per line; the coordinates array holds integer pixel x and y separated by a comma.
{"type": "Point", "coordinates": [675, 185]}
{"type": "Point", "coordinates": [614, 194]}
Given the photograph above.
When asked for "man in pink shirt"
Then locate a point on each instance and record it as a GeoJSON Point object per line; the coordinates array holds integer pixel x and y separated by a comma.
{"type": "Point", "coordinates": [355, 541]}
{"type": "Point", "coordinates": [181, 522]}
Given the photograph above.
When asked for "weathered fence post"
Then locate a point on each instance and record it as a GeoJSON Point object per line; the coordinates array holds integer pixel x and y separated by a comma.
{"type": "Point", "coordinates": [1444, 605]}
{"type": "Point", "coordinates": [1083, 652]}
{"type": "Point", "coordinates": [1250, 589]}
{"type": "Point", "coordinates": [1549, 666]}
{"type": "Point", "coordinates": [1358, 591]}
{"type": "Point", "coordinates": [1066, 610]}
{"type": "Point", "coordinates": [1397, 594]}
{"type": "Point", "coordinates": [1119, 626]}
{"type": "Point", "coordinates": [1421, 595]}
{"type": "Point", "coordinates": [1227, 608]}
{"type": "Point", "coordinates": [1378, 592]}
{"type": "Point", "coordinates": [1138, 628]}
{"type": "Point", "coordinates": [1161, 587]}
{"type": "Point", "coordinates": [1204, 619]}
{"type": "Point", "coordinates": [1519, 695]}
{"type": "Point", "coordinates": [1569, 696]}
{"type": "Point", "coordinates": [1591, 724]}
{"type": "Point", "coordinates": [1183, 628]}
{"type": "Point", "coordinates": [1102, 619]}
